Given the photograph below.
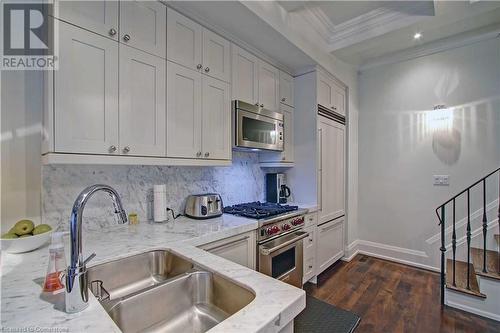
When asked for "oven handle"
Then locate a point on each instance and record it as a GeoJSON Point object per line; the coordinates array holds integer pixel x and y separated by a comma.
{"type": "Point", "coordinates": [267, 251]}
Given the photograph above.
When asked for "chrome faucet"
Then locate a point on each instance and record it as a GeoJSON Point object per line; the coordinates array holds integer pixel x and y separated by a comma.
{"type": "Point", "coordinates": [76, 274]}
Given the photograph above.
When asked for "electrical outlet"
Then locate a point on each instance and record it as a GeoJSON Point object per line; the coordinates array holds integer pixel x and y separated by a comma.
{"type": "Point", "coordinates": [441, 180]}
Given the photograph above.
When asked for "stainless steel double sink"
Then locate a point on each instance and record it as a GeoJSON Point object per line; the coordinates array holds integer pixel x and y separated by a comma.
{"type": "Point", "coordinates": [159, 291]}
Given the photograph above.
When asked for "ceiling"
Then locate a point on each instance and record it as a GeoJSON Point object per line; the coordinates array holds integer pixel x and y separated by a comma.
{"type": "Point", "coordinates": [361, 31]}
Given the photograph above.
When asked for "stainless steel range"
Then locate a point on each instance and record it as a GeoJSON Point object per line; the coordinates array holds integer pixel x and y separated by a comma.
{"type": "Point", "coordinates": [279, 238]}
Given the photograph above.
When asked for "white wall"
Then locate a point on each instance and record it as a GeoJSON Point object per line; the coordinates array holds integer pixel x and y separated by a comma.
{"type": "Point", "coordinates": [21, 105]}
{"type": "Point", "coordinates": [399, 151]}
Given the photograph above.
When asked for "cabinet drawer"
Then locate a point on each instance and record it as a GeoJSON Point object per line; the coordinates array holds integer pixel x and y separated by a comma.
{"type": "Point", "coordinates": [311, 219]}
{"type": "Point", "coordinates": [240, 249]}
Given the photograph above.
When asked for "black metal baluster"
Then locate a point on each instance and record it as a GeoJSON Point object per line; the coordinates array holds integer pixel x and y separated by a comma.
{"type": "Point", "coordinates": [443, 250]}
{"type": "Point", "coordinates": [454, 243]}
{"type": "Point", "coordinates": [468, 238]}
{"type": "Point", "coordinates": [485, 226]}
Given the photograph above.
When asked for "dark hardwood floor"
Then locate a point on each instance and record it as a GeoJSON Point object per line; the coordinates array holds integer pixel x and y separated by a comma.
{"type": "Point", "coordinates": [391, 297]}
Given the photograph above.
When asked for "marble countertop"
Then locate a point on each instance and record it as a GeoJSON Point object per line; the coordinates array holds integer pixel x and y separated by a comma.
{"type": "Point", "coordinates": [24, 306]}
{"type": "Point", "coordinates": [311, 207]}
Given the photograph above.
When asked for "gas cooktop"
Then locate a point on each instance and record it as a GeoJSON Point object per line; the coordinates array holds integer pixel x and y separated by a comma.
{"type": "Point", "coordinates": [259, 210]}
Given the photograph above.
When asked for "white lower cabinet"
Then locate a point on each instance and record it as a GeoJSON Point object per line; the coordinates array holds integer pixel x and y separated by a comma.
{"type": "Point", "coordinates": [240, 249]}
{"type": "Point", "coordinates": [309, 244]}
{"type": "Point", "coordinates": [330, 243]}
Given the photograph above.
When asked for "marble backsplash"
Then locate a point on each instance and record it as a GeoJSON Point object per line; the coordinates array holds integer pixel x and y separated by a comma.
{"type": "Point", "coordinates": [243, 181]}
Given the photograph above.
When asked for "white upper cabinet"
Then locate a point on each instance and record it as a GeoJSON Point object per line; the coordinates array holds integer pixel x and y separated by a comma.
{"type": "Point", "coordinates": [216, 116]}
{"type": "Point", "coordinates": [331, 95]}
{"type": "Point", "coordinates": [142, 103]}
{"type": "Point", "coordinates": [216, 56]}
{"type": "Point", "coordinates": [86, 97]}
{"type": "Point", "coordinates": [339, 94]}
{"type": "Point", "coordinates": [325, 91]}
{"type": "Point", "coordinates": [245, 84]}
{"type": "Point", "coordinates": [331, 169]}
{"type": "Point", "coordinates": [143, 26]}
{"type": "Point", "coordinates": [286, 89]}
{"type": "Point", "coordinates": [184, 39]}
{"type": "Point", "coordinates": [268, 86]}
{"type": "Point", "coordinates": [183, 112]}
{"type": "Point", "coordinates": [100, 17]}
{"type": "Point", "coordinates": [197, 48]}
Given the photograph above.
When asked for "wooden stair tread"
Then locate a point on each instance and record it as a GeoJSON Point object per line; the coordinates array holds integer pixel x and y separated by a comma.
{"type": "Point", "coordinates": [461, 278]}
{"type": "Point", "coordinates": [491, 263]}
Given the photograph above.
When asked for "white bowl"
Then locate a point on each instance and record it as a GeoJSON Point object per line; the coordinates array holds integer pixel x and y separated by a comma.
{"type": "Point", "coordinates": [25, 244]}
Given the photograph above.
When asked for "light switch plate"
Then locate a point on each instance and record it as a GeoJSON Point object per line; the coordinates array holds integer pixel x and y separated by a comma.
{"type": "Point", "coordinates": [441, 180]}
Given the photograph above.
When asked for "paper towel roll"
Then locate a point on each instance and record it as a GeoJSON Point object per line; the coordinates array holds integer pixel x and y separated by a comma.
{"type": "Point", "coordinates": [160, 203]}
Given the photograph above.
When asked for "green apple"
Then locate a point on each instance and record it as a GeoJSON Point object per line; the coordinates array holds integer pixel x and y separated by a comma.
{"type": "Point", "coordinates": [41, 228]}
{"type": "Point", "coordinates": [9, 236]}
{"type": "Point", "coordinates": [24, 227]}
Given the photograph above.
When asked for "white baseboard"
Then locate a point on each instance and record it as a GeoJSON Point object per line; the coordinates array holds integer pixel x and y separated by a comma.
{"type": "Point", "coordinates": [389, 252]}
{"type": "Point", "coordinates": [473, 310]}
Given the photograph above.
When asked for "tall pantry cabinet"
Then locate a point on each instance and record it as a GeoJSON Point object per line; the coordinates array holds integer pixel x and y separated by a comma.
{"type": "Point", "coordinates": [320, 153]}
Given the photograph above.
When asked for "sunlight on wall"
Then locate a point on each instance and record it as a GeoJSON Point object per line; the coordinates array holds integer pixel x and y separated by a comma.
{"type": "Point", "coordinates": [439, 120]}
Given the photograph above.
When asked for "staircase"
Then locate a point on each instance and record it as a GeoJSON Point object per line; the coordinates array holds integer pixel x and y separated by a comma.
{"type": "Point", "coordinates": [464, 275]}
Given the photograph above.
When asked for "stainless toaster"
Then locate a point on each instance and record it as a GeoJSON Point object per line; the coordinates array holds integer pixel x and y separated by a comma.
{"type": "Point", "coordinates": [204, 206]}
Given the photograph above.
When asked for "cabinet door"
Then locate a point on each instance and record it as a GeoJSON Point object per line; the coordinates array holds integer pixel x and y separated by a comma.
{"type": "Point", "coordinates": [245, 75]}
{"type": "Point", "coordinates": [216, 56]}
{"type": "Point", "coordinates": [142, 103]}
{"type": "Point", "coordinates": [183, 112]}
{"type": "Point", "coordinates": [143, 25]}
{"type": "Point", "coordinates": [331, 169]}
{"type": "Point", "coordinates": [330, 244]}
{"type": "Point", "coordinates": [268, 86]}
{"type": "Point", "coordinates": [100, 17]}
{"type": "Point", "coordinates": [325, 91]}
{"type": "Point", "coordinates": [286, 89]}
{"type": "Point", "coordinates": [216, 116]}
{"type": "Point", "coordinates": [86, 93]}
{"type": "Point", "coordinates": [240, 249]}
{"type": "Point", "coordinates": [184, 41]}
{"type": "Point", "coordinates": [339, 95]}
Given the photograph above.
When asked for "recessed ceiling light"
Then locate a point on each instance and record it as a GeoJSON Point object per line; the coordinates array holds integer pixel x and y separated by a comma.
{"type": "Point", "coordinates": [418, 35]}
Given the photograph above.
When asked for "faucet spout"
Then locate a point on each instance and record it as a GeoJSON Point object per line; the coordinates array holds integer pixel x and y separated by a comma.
{"type": "Point", "coordinates": [76, 275]}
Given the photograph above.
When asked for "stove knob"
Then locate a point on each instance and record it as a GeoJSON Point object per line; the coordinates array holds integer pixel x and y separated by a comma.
{"type": "Point", "coordinates": [269, 231]}
{"type": "Point", "coordinates": [275, 229]}
{"type": "Point", "coordinates": [286, 227]}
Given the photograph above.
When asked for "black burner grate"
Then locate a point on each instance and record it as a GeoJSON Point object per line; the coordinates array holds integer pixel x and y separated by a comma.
{"type": "Point", "coordinates": [259, 210]}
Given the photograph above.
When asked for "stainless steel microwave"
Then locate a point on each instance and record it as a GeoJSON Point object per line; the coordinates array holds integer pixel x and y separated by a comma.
{"type": "Point", "coordinates": [257, 128]}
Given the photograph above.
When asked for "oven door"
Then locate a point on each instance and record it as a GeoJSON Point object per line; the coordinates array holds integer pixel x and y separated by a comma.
{"type": "Point", "coordinates": [282, 258]}
{"type": "Point", "coordinates": [258, 131]}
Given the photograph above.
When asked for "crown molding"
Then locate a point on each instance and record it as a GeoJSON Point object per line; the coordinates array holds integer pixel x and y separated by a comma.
{"type": "Point", "coordinates": [490, 32]}
{"type": "Point", "coordinates": [377, 22]}
{"type": "Point", "coordinates": [372, 24]}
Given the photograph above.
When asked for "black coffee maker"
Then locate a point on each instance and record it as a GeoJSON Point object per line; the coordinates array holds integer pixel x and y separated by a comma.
{"type": "Point", "coordinates": [276, 189]}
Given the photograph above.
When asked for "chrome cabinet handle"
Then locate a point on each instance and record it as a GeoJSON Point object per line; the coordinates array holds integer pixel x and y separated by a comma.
{"type": "Point", "coordinates": [198, 154]}
{"type": "Point", "coordinates": [257, 104]}
{"type": "Point", "coordinates": [283, 99]}
{"type": "Point", "coordinates": [112, 148]}
{"type": "Point", "coordinates": [112, 32]}
{"type": "Point", "coordinates": [310, 267]}
{"type": "Point", "coordinates": [126, 149]}
{"type": "Point", "coordinates": [262, 105]}
{"type": "Point", "coordinates": [199, 66]}
{"type": "Point", "coordinates": [207, 69]}
{"type": "Point", "coordinates": [333, 107]}
{"type": "Point", "coordinates": [126, 37]}
{"type": "Point", "coordinates": [207, 154]}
